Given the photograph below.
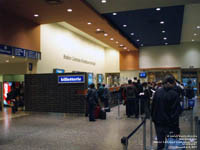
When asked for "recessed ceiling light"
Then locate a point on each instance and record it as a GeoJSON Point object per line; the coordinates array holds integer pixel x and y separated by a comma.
{"type": "Point", "coordinates": [69, 10]}
{"type": "Point", "coordinates": [36, 15]}
{"type": "Point", "coordinates": [195, 34]}
{"type": "Point", "coordinates": [166, 43]}
{"type": "Point", "coordinates": [163, 31]}
{"type": "Point", "coordinates": [124, 25]}
{"type": "Point", "coordinates": [7, 61]}
{"type": "Point", "coordinates": [116, 42]}
{"type": "Point", "coordinates": [142, 45]}
{"type": "Point", "coordinates": [111, 39]}
{"type": "Point", "coordinates": [105, 34]}
{"type": "Point", "coordinates": [165, 38]}
{"type": "Point", "coordinates": [89, 23]}
{"type": "Point", "coordinates": [103, 1]}
{"type": "Point", "coordinates": [13, 57]}
{"type": "Point", "coordinates": [198, 27]}
{"type": "Point", "coordinates": [162, 22]}
{"type": "Point", "coordinates": [132, 33]}
{"type": "Point", "coordinates": [192, 40]}
{"type": "Point", "coordinates": [158, 9]}
{"type": "Point", "coordinates": [128, 50]}
{"type": "Point", "coordinates": [138, 40]}
{"type": "Point", "coordinates": [121, 45]}
{"type": "Point", "coordinates": [125, 47]}
{"type": "Point", "coordinates": [114, 14]}
{"type": "Point", "coordinates": [98, 29]}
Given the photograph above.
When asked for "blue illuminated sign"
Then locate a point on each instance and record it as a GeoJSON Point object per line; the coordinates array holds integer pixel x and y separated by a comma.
{"type": "Point", "coordinates": [20, 52]}
{"type": "Point", "coordinates": [90, 78]}
{"type": "Point", "coordinates": [71, 79]}
{"type": "Point", "coordinates": [60, 71]}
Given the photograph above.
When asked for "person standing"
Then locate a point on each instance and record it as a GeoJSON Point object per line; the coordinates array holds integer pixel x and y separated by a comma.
{"type": "Point", "coordinates": [166, 110]}
{"type": "Point", "coordinates": [92, 99]}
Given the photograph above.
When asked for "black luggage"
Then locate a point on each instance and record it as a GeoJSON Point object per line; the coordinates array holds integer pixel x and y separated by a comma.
{"type": "Point", "coordinates": [102, 114]}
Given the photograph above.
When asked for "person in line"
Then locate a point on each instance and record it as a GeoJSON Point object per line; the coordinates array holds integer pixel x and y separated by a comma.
{"type": "Point", "coordinates": [92, 99]}
{"type": "Point", "coordinates": [106, 96]}
{"type": "Point", "coordinates": [100, 91]}
{"type": "Point", "coordinates": [166, 110]}
{"type": "Point", "coordinates": [189, 92]}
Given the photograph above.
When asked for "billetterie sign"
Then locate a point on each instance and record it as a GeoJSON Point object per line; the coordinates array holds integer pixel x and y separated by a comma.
{"type": "Point", "coordinates": [71, 79]}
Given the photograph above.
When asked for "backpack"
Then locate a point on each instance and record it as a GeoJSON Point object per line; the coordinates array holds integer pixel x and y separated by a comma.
{"type": "Point", "coordinates": [130, 92]}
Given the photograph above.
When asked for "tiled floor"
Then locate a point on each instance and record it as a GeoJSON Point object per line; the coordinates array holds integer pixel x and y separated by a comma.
{"type": "Point", "coordinates": [52, 131]}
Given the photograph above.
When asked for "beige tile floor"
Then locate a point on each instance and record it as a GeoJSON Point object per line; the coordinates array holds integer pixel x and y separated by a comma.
{"type": "Point", "coordinates": [54, 131]}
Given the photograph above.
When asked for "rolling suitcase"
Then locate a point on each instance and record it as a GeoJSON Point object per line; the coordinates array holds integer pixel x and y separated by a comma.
{"type": "Point", "coordinates": [191, 103]}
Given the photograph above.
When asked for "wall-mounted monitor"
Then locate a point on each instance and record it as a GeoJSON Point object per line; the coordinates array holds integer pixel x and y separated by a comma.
{"type": "Point", "coordinates": [90, 78]}
{"type": "Point", "coordinates": [99, 78]}
{"type": "Point", "coordinates": [142, 74]}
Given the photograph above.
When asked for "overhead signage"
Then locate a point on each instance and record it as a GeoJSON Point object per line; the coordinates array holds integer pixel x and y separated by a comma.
{"type": "Point", "coordinates": [20, 52]}
{"type": "Point", "coordinates": [7, 50]}
{"type": "Point", "coordinates": [31, 54]}
{"type": "Point", "coordinates": [71, 79]}
{"type": "Point", "coordinates": [90, 78]}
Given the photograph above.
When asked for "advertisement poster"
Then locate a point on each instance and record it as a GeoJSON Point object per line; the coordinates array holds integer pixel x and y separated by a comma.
{"type": "Point", "coordinates": [6, 90]}
{"type": "Point", "coordinates": [90, 78]}
{"type": "Point", "coordinates": [99, 78]}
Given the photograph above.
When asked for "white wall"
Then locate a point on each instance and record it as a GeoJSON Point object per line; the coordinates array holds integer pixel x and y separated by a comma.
{"type": "Point", "coordinates": [112, 60]}
{"type": "Point", "coordinates": [183, 55]}
{"type": "Point", "coordinates": [57, 41]}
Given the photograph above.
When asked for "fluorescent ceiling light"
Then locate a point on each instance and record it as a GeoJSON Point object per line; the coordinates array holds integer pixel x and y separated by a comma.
{"type": "Point", "coordinates": [165, 38]}
{"type": "Point", "coordinates": [69, 10]}
{"type": "Point", "coordinates": [138, 40]}
{"type": "Point", "coordinates": [124, 25]}
{"type": "Point", "coordinates": [114, 14]}
{"type": "Point", "coordinates": [103, 1]}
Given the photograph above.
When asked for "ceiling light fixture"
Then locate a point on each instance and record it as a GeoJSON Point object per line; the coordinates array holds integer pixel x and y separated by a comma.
{"type": "Point", "coordinates": [158, 9]}
{"type": "Point", "coordinates": [162, 22]}
{"type": "Point", "coordinates": [103, 1]}
{"type": "Point", "coordinates": [165, 38]}
{"type": "Point", "coordinates": [7, 61]}
{"type": "Point", "coordinates": [192, 40]}
{"type": "Point", "coordinates": [13, 57]}
{"type": "Point", "coordinates": [89, 23]}
{"type": "Point", "coordinates": [114, 14]}
{"type": "Point", "coordinates": [163, 31]}
{"type": "Point", "coordinates": [121, 45]}
{"type": "Point", "coordinates": [124, 25]}
{"type": "Point", "coordinates": [98, 29]}
{"type": "Point", "coordinates": [198, 27]}
{"type": "Point", "coordinates": [128, 50]}
{"type": "Point", "coordinates": [105, 34]}
{"type": "Point", "coordinates": [138, 40]}
{"type": "Point", "coordinates": [142, 45]}
{"type": "Point", "coordinates": [132, 33]}
{"type": "Point", "coordinates": [36, 15]}
{"type": "Point", "coordinates": [116, 42]}
{"type": "Point", "coordinates": [166, 43]}
{"type": "Point", "coordinates": [111, 39]}
{"type": "Point", "coordinates": [69, 10]}
{"type": "Point", "coordinates": [125, 47]}
{"type": "Point", "coordinates": [195, 34]}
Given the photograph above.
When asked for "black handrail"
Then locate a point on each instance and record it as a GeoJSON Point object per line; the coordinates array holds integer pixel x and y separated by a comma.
{"type": "Point", "coordinates": [124, 140]}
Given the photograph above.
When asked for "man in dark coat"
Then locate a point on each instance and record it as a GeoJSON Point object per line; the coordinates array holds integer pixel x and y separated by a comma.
{"type": "Point", "coordinates": [166, 110]}
{"type": "Point", "coordinates": [92, 99]}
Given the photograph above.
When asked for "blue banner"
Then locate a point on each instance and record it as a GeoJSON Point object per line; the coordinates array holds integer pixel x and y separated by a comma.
{"type": "Point", "coordinates": [71, 79]}
{"type": "Point", "coordinates": [20, 52]}
{"type": "Point", "coordinates": [7, 50]}
{"type": "Point", "coordinates": [60, 71]}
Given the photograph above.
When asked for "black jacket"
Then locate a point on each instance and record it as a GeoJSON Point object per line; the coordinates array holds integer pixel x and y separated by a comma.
{"type": "Point", "coordinates": [166, 107]}
{"type": "Point", "coordinates": [92, 96]}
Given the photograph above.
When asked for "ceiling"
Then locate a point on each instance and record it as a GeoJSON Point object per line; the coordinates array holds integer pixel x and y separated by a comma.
{"type": "Point", "coordinates": [141, 18]}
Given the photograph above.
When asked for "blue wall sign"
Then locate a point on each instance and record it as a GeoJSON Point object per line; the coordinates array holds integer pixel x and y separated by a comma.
{"type": "Point", "coordinates": [58, 70]}
{"type": "Point", "coordinates": [90, 78]}
{"type": "Point", "coordinates": [142, 74]}
{"type": "Point", "coordinates": [31, 54]}
{"type": "Point", "coordinates": [20, 52]}
{"type": "Point", "coordinates": [71, 79]}
{"type": "Point", "coordinates": [5, 50]}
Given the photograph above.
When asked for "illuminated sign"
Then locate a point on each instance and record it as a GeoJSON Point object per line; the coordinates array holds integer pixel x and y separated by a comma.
{"type": "Point", "coordinates": [71, 79]}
